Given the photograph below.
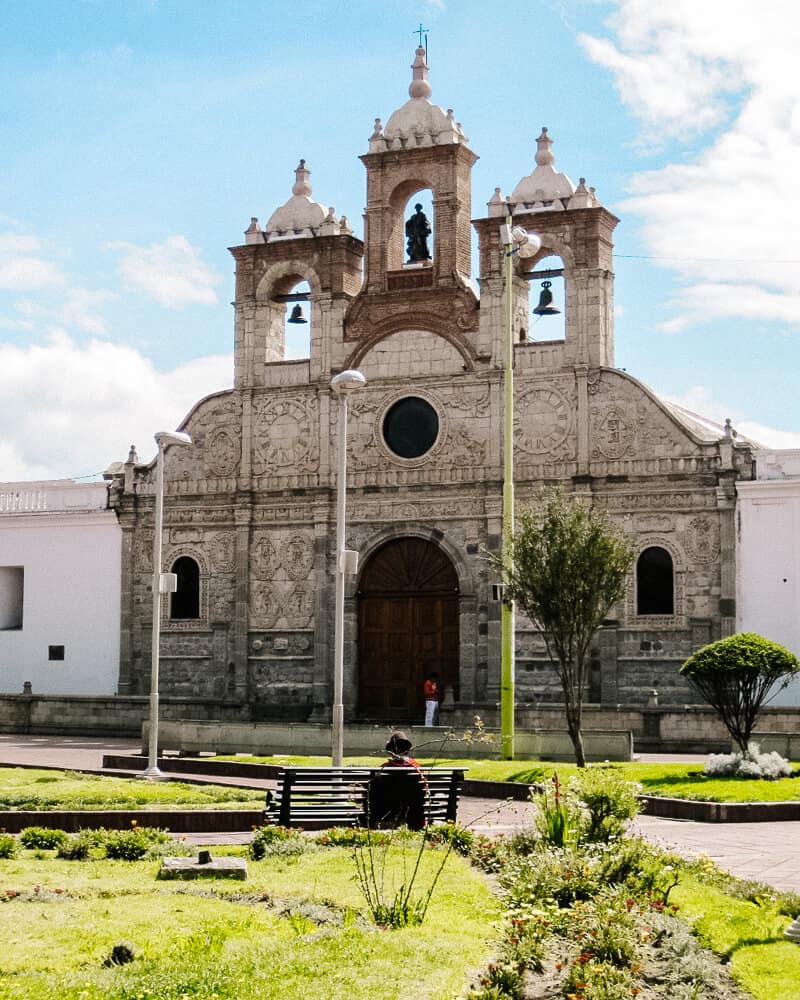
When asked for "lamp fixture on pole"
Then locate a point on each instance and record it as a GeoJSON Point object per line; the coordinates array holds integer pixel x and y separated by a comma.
{"type": "Point", "coordinates": [163, 583]}
{"type": "Point", "coordinates": [515, 240]}
{"type": "Point", "coordinates": [343, 384]}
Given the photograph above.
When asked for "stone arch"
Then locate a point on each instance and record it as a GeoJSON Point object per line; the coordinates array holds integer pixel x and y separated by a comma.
{"type": "Point", "coordinates": [397, 201]}
{"type": "Point", "coordinates": [427, 323]}
{"type": "Point", "coordinates": [270, 322]}
{"type": "Point", "coordinates": [674, 620]}
{"type": "Point", "coordinates": [171, 554]}
{"type": "Point", "coordinates": [409, 624]}
{"type": "Point", "coordinates": [416, 529]}
{"type": "Point", "coordinates": [555, 328]}
{"type": "Point", "coordinates": [283, 275]}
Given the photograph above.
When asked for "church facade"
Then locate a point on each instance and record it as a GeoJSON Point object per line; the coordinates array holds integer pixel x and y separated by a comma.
{"type": "Point", "coordinates": [249, 517]}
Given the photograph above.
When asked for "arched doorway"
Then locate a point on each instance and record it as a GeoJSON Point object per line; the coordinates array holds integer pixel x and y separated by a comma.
{"type": "Point", "coordinates": [407, 626]}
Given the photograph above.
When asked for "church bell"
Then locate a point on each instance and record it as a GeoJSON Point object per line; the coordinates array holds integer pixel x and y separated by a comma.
{"type": "Point", "coordinates": [298, 317]}
{"type": "Point", "coordinates": [545, 306]}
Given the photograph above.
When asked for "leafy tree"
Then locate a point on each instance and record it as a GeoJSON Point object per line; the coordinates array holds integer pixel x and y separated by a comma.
{"type": "Point", "coordinates": [736, 675]}
{"type": "Point", "coordinates": [568, 567]}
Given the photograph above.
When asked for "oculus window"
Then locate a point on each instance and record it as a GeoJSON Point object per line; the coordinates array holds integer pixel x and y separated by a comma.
{"type": "Point", "coordinates": [654, 582]}
{"type": "Point", "coordinates": [410, 427]}
{"type": "Point", "coordinates": [185, 602]}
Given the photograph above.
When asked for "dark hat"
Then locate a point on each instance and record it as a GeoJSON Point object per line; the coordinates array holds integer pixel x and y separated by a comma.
{"type": "Point", "coordinates": [398, 743]}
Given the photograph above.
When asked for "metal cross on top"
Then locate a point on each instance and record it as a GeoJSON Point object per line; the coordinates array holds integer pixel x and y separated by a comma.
{"type": "Point", "coordinates": [422, 31]}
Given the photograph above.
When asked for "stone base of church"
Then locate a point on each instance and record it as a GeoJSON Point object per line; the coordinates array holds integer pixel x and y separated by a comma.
{"type": "Point", "coordinates": [658, 729]}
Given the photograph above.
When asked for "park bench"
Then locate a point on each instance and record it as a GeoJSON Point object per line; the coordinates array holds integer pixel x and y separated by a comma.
{"type": "Point", "coordinates": [319, 797]}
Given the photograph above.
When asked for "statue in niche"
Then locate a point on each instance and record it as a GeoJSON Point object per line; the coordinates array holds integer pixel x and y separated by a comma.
{"type": "Point", "coordinates": [418, 229]}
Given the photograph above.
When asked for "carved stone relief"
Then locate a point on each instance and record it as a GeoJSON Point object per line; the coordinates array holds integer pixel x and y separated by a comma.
{"type": "Point", "coordinates": [462, 449]}
{"type": "Point", "coordinates": [613, 431]}
{"type": "Point", "coordinates": [222, 551]}
{"type": "Point", "coordinates": [263, 605]}
{"type": "Point", "coordinates": [265, 558]}
{"type": "Point", "coordinates": [298, 557]}
{"type": "Point", "coordinates": [702, 540]}
{"type": "Point", "coordinates": [543, 421]}
{"type": "Point", "coordinates": [222, 453]}
{"type": "Point", "coordinates": [285, 436]}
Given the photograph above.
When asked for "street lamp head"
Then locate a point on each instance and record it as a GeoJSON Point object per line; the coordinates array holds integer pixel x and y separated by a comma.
{"type": "Point", "coordinates": [527, 244]}
{"type": "Point", "coordinates": [164, 438]}
{"type": "Point", "coordinates": [348, 381]}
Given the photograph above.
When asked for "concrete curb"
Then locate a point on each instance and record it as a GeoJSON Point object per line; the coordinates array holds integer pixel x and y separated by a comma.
{"type": "Point", "coordinates": [174, 820]}
{"type": "Point", "coordinates": [720, 812]}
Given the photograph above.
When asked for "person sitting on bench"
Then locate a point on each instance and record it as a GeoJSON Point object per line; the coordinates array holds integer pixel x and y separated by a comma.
{"type": "Point", "coordinates": [397, 797]}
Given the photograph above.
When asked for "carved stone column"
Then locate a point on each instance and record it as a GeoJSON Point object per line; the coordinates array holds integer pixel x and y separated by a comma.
{"type": "Point", "coordinates": [243, 516]}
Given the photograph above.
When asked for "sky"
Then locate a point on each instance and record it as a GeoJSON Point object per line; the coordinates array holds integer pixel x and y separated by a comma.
{"type": "Point", "coordinates": [138, 137]}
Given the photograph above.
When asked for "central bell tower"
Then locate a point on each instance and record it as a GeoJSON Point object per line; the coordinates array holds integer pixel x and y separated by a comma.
{"type": "Point", "coordinates": [421, 148]}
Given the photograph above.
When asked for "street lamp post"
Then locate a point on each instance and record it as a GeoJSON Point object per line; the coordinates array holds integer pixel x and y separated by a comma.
{"type": "Point", "coordinates": [515, 240]}
{"type": "Point", "coordinates": [343, 384]}
{"type": "Point", "coordinates": [162, 583]}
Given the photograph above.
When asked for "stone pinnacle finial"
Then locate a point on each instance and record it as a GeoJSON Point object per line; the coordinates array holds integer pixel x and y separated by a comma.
{"type": "Point", "coordinates": [419, 86]}
{"type": "Point", "coordinates": [544, 152]}
{"type": "Point", "coordinates": [301, 184]}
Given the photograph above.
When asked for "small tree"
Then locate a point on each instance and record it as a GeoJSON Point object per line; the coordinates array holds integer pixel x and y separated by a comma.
{"type": "Point", "coordinates": [568, 567]}
{"type": "Point", "coordinates": [737, 675]}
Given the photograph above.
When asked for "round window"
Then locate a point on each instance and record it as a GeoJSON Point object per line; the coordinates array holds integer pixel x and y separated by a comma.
{"type": "Point", "coordinates": [410, 427]}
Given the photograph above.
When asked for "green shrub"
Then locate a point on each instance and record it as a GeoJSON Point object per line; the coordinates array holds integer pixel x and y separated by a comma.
{"type": "Point", "coordinates": [608, 801]}
{"type": "Point", "coordinates": [488, 852]}
{"type": "Point", "coordinates": [42, 838]}
{"type": "Point", "coordinates": [506, 979]}
{"type": "Point", "coordinates": [351, 836]}
{"type": "Point", "coordinates": [271, 841]}
{"type": "Point", "coordinates": [133, 844]}
{"type": "Point", "coordinates": [79, 846]}
{"type": "Point", "coordinates": [461, 839]}
{"type": "Point", "coordinates": [8, 845]}
{"type": "Point", "coordinates": [563, 876]}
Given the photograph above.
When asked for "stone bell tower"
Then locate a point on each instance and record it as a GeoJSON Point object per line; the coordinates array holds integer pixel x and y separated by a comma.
{"type": "Point", "coordinates": [577, 230]}
{"type": "Point", "coordinates": [421, 147]}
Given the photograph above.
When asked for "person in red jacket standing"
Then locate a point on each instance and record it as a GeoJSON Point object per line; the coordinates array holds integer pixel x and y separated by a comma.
{"type": "Point", "coordinates": [432, 697]}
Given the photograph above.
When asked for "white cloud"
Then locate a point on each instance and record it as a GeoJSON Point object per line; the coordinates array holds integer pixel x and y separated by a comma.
{"type": "Point", "coordinates": [728, 215]}
{"type": "Point", "coordinates": [23, 266]}
{"type": "Point", "coordinates": [69, 410]}
{"type": "Point", "coordinates": [171, 272]}
{"type": "Point", "coordinates": [77, 309]}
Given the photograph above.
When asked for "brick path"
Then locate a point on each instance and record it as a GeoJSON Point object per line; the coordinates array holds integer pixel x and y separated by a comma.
{"type": "Point", "coordinates": [769, 852]}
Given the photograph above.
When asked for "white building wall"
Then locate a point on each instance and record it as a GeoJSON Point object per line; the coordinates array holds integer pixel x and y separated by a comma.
{"type": "Point", "coordinates": [768, 556]}
{"type": "Point", "coordinates": [68, 546]}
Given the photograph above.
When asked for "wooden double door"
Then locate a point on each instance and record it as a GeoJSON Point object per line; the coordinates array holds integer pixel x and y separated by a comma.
{"type": "Point", "coordinates": [408, 627]}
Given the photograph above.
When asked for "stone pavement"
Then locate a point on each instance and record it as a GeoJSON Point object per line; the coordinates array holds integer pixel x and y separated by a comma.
{"type": "Point", "coordinates": [768, 852]}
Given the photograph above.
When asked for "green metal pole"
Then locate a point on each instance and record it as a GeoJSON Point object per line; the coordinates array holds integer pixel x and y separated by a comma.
{"type": "Point", "coordinates": [507, 611]}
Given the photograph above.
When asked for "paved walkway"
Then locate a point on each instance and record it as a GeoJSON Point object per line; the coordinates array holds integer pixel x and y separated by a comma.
{"type": "Point", "coordinates": [768, 852]}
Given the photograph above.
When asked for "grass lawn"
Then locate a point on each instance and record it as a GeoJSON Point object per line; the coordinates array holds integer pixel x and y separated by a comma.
{"type": "Point", "coordinates": [682, 781]}
{"type": "Point", "coordinates": [749, 934]}
{"type": "Point", "coordinates": [27, 788]}
{"type": "Point", "coordinates": [295, 929]}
